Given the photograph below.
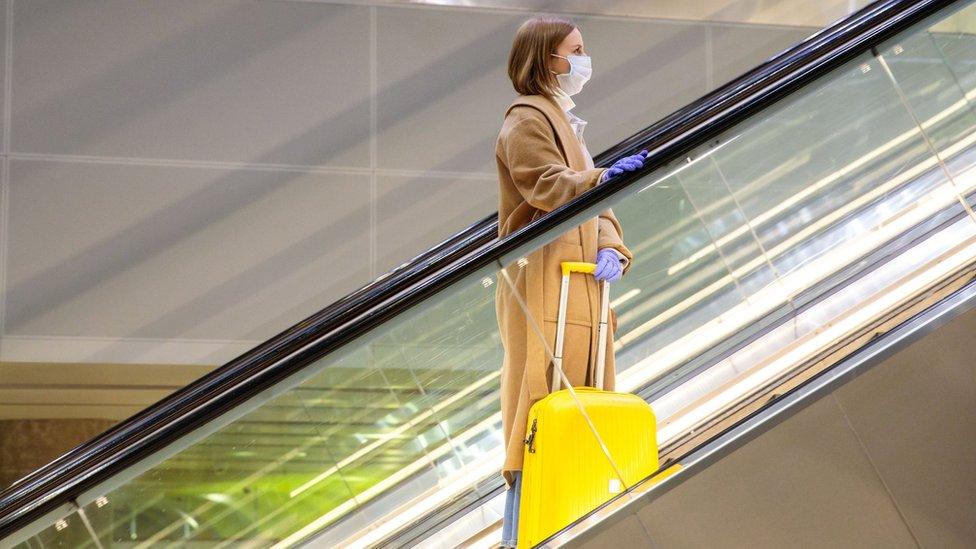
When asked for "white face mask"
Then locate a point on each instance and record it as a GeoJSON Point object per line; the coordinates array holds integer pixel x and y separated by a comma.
{"type": "Point", "coordinates": [579, 73]}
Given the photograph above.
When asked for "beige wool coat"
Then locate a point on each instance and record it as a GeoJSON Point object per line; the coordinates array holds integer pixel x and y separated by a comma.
{"type": "Point", "coordinates": [542, 165]}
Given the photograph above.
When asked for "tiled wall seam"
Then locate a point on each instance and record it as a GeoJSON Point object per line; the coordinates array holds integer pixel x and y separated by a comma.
{"type": "Point", "coordinates": [373, 139]}
{"type": "Point", "coordinates": [7, 69]}
{"type": "Point", "coordinates": [5, 160]}
{"type": "Point", "coordinates": [256, 166]}
{"type": "Point", "coordinates": [874, 467]}
{"type": "Point", "coordinates": [709, 59]}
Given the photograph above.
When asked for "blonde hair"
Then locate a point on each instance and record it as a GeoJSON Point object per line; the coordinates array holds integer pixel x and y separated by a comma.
{"type": "Point", "coordinates": [528, 62]}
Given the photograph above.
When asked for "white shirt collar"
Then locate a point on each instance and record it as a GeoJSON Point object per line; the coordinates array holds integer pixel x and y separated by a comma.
{"type": "Point", "coordinates": [567, 103]}
{"type": "Point", "coordinates": [564, 101]}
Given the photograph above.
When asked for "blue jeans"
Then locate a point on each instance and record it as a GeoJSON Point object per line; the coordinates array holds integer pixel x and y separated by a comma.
{"type": "Point", "coordinates": [510, 520]}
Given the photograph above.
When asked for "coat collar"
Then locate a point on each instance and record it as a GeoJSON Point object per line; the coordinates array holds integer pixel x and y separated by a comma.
{"type": "Point", "coordinates": [565, 135]}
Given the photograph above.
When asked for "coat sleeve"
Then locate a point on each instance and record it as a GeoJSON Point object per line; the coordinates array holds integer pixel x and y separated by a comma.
{"type": "Point", "coordinates": [611, 236]}
{"type": "Point", "coordinates": [537, 168]}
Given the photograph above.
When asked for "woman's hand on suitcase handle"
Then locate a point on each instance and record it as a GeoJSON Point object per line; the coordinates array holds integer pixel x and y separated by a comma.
{"type": "Point", "coordinates": [625, 164]}
{"type": "Point", "coordinates": [608, 265]}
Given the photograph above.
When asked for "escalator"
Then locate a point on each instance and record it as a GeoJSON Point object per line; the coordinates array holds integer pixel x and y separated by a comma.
{"type": "Point", "coordinates": [786, 225]}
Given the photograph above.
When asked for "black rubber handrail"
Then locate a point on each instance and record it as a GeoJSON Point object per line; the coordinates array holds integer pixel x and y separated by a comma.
{"type": "Point", "coordinates": [61, 481]}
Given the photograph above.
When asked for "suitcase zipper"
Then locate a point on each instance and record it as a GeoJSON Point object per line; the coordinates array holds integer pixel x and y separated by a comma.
{"type": "Point", "coordinates": [531, 440]}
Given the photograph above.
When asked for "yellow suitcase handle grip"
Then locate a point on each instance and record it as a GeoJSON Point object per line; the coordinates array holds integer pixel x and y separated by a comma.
{"type": "Point", "coordinates": [577, 267]}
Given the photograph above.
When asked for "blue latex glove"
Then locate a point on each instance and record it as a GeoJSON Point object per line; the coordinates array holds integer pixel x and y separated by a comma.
{"type": "Point", "coordinates": [608, 265]}
{"type": "Point", "coordinates": [625, 164]}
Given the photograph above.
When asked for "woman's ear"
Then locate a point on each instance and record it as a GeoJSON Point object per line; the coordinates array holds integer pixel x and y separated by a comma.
{"type": "Point", "coordinates": [556, 64]}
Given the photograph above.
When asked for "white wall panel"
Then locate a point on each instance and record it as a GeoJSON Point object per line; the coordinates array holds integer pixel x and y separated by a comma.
{"type": "Point", "coordinates": [268, 82]}
{"type": "Point", "coordinates": [139, 251]}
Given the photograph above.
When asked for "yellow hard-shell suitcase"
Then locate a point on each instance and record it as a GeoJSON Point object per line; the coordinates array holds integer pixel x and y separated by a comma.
{"type": "Point", "coordinates": [566, 473]}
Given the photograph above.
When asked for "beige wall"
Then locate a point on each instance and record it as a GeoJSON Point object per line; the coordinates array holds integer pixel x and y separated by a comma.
{"type": "Point", "coordinates": [25, 445]}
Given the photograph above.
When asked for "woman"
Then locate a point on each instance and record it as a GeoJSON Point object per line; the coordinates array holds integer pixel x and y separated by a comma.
{"type": "Point", "coordinates": [542, 164]}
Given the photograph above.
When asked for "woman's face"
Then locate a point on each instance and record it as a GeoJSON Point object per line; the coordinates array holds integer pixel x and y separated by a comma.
{"type": "Point", "coordinates": [571, 45]}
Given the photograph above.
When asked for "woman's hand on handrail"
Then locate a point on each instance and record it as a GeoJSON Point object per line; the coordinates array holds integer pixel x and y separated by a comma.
{"type": "Point", "coordinates": [625, 164]}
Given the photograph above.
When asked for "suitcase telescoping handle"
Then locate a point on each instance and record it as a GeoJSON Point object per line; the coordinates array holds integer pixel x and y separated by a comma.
{"type": "Point", "coordinates": [568, 268]}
